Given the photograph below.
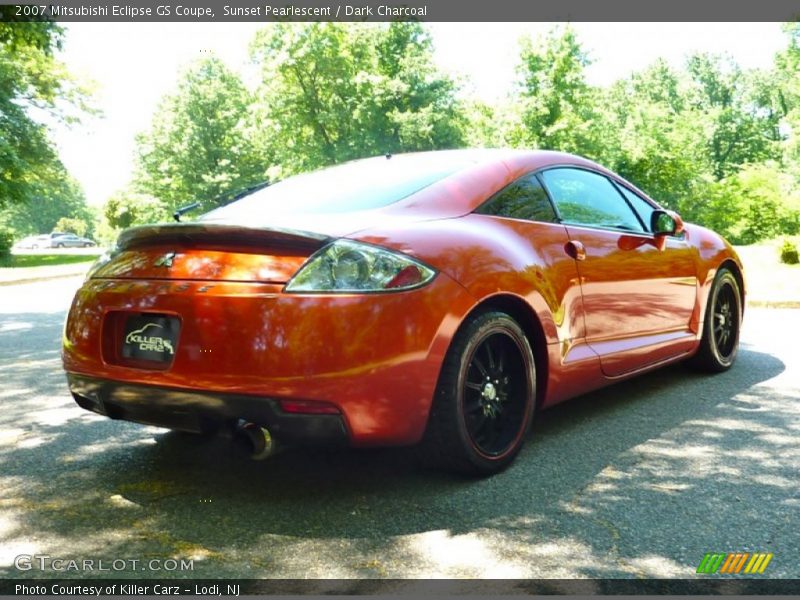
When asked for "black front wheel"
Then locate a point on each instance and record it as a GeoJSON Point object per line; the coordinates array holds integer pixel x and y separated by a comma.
{"type": "Point", "coordinates": [723, 320]}
{"type": "Point", "coordinates": [485, 398]}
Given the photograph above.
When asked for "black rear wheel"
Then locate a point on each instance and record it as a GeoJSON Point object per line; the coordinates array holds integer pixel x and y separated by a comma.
{"type": "Point", "coordinates": [484, 402]}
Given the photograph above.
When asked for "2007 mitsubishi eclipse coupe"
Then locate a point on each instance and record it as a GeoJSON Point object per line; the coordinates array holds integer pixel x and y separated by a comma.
{"type": "Point", "coordinates": [438, 298]}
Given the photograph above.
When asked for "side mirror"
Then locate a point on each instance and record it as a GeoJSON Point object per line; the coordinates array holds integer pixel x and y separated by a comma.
{"type": "Point", "coordinates": [666, 222]}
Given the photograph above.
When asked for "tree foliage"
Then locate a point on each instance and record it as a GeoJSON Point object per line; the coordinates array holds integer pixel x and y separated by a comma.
{"type": "Point", "coordinates": [200, 146]}
{"type": "Point", "coordinates": [654, 137]}
{"type": "Point", "coordinates": [554, 106]}
{"type": "Point", "coordinates": [786, 88]}
{"type": "Point", "coordinates": [743, 125]}
{"type": "Point", "coordinates": [32, 82]}
{"type": "Point", "coordinates": [128, 207]}
{"type": "Point", "coordinates": [6, 242]}
{"type": "Point", "coordinates": [40, 214]}
{"type": "Point", "coordinates": [708, 140]}
{"type": "Point", "coordinates": [757, 202]}
{"type": "Point", "coordinates": [718, 143]}
{"type": "Point", "coordinates": [333, 92]}
{"type": "Point", "coordinates": [72, 225]}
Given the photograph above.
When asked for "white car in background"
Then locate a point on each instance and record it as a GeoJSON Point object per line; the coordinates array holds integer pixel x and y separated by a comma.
{"type": "Point", "coordinates": [33, 242]}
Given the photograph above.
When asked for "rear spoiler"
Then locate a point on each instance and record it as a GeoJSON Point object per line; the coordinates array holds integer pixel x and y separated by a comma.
{"type": "Point", "coordinates": [194, 234]}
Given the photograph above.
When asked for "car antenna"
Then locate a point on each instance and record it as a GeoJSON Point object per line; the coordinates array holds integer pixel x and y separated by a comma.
{"type": "Point", "coordinates": [183, 210]}
{"type": "Point", "coordinates": [240, 194]}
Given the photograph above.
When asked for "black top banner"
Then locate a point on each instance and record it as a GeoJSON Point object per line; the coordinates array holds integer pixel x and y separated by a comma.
{"type": "Point", "coordinates": [402, 10]}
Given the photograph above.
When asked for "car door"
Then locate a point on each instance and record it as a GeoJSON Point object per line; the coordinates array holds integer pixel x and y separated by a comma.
{"type": "Point", "coordinates": [529, 215]}
{"type": "Point", "coordinates": [638, 295]}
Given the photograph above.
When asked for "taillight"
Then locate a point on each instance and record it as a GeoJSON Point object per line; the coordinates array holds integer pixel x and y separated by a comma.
{"type": "Point", "coordinates": [409, 276]}
{"type": "Point", "coordinates": [345, 266]}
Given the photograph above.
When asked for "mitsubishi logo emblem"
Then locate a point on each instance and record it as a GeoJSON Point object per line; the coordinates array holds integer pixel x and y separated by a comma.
{"type": "Point", "coordinates": [165, 261]}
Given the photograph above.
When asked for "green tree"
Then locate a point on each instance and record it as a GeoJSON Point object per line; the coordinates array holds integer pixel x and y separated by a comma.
{"type": "Point", "coordinates": [40, 214]}
{"type": "Point", "coordinates": [32, 81]}
{"type": "Point", "coordinates": [743, 123]}
{"type": "Point", "coordinates": [332, 92]}
{"type": "Point", "coordinates": [6, 243]}
{"type": "Point", "coordinates": [72, 225]}
{"type": "Point", "coordinates": [786, 85]}
{"type": "Point", "coordinates": [555, 107]}
{"type": "Point", "coordinates": [418, 102]}
{"type": "Point", "coordinates": [488, 124]}
{"type": "Point", "coordinates": [655, 138]}
{"type": "Point", "coordinates": [758, 202]}
{"type": "Point", "coordinates": [128, 207]}
{"type": "Point", "coordinates": [200, 146]}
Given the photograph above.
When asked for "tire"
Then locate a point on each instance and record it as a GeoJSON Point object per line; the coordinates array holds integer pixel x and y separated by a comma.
{"type": "Point", "coordinates": [87, 245]}
{"type": "Point", "coordinates": [485, 398]}
{"type": "Point", "coordinates": [720, 342]}
{"type": "Point", "coordinates": [59, 245]}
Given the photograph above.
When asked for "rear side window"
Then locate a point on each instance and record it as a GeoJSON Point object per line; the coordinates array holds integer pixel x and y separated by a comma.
{"type": "Point", "coordinates": [523, 199]}
{"type": "Point", "coordinates": [586, 198]}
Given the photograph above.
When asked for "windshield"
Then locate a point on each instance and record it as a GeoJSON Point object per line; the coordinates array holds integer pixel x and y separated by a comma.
{"type": "Point", "coordinates": [355, 186]}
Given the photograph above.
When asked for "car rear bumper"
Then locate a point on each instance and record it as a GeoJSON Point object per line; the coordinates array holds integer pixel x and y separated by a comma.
{"type": "Point", "coordinates": [246, 346]}
{"type": "Point", "coordinates": [202, 412]}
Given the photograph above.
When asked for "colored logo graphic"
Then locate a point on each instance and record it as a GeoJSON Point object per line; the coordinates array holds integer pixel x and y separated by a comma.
{"type": "Point", "coordinates": [734, 562]}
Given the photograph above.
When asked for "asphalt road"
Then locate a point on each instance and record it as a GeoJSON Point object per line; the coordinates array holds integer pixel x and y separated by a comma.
{"type": "Point", "coordinates": [638, 480]}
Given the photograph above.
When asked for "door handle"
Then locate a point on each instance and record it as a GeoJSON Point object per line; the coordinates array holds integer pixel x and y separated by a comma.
{"type": "Point", "coordinates": [575, 249]}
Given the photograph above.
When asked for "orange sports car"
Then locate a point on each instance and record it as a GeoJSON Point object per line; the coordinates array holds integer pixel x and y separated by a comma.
{"type": "Point", "coordinates": [437, 298]}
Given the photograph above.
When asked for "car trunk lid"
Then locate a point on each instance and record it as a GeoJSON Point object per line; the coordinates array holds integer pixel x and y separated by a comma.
{"type": "Point", "coordinates": [210, 252]}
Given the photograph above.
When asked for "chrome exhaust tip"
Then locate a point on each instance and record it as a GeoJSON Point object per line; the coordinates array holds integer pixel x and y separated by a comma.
{"type": "Point", "coordinates": [258, 439]}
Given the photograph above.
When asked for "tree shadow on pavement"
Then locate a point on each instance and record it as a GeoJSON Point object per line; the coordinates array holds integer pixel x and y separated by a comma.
{"type": "Point", "coordinates": [636, 480]}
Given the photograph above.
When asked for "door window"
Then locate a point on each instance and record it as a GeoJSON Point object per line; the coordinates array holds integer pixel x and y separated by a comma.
{"type": "Point", "coordinates": [586, 198]}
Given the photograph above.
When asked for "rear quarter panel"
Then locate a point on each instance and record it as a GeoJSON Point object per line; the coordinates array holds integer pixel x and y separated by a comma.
{"type": "Point", "coordinates": [490, 255]}
{"type": "Point", "coordinates": [495, 257]}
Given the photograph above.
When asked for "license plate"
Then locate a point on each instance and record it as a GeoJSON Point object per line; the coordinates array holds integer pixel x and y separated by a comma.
{"type": "Point", "coordinates": [151, 337]}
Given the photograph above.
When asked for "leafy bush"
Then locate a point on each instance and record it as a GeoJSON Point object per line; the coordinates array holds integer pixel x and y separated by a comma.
{"type": "Point", "coordinates": [127, 208]}
{"type": "Point", "coordinates": [789, 253]}
{"type": "Point", "coordinates": [6, 241]}
{"type": "Point", "coordinates": [759, 202]}
{"type": "Point", "coordinates": [72, 225]}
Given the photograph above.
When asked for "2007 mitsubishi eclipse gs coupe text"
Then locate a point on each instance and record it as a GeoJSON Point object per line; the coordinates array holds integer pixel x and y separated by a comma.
{"type": "Point", "coordinates": [439, 298]}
